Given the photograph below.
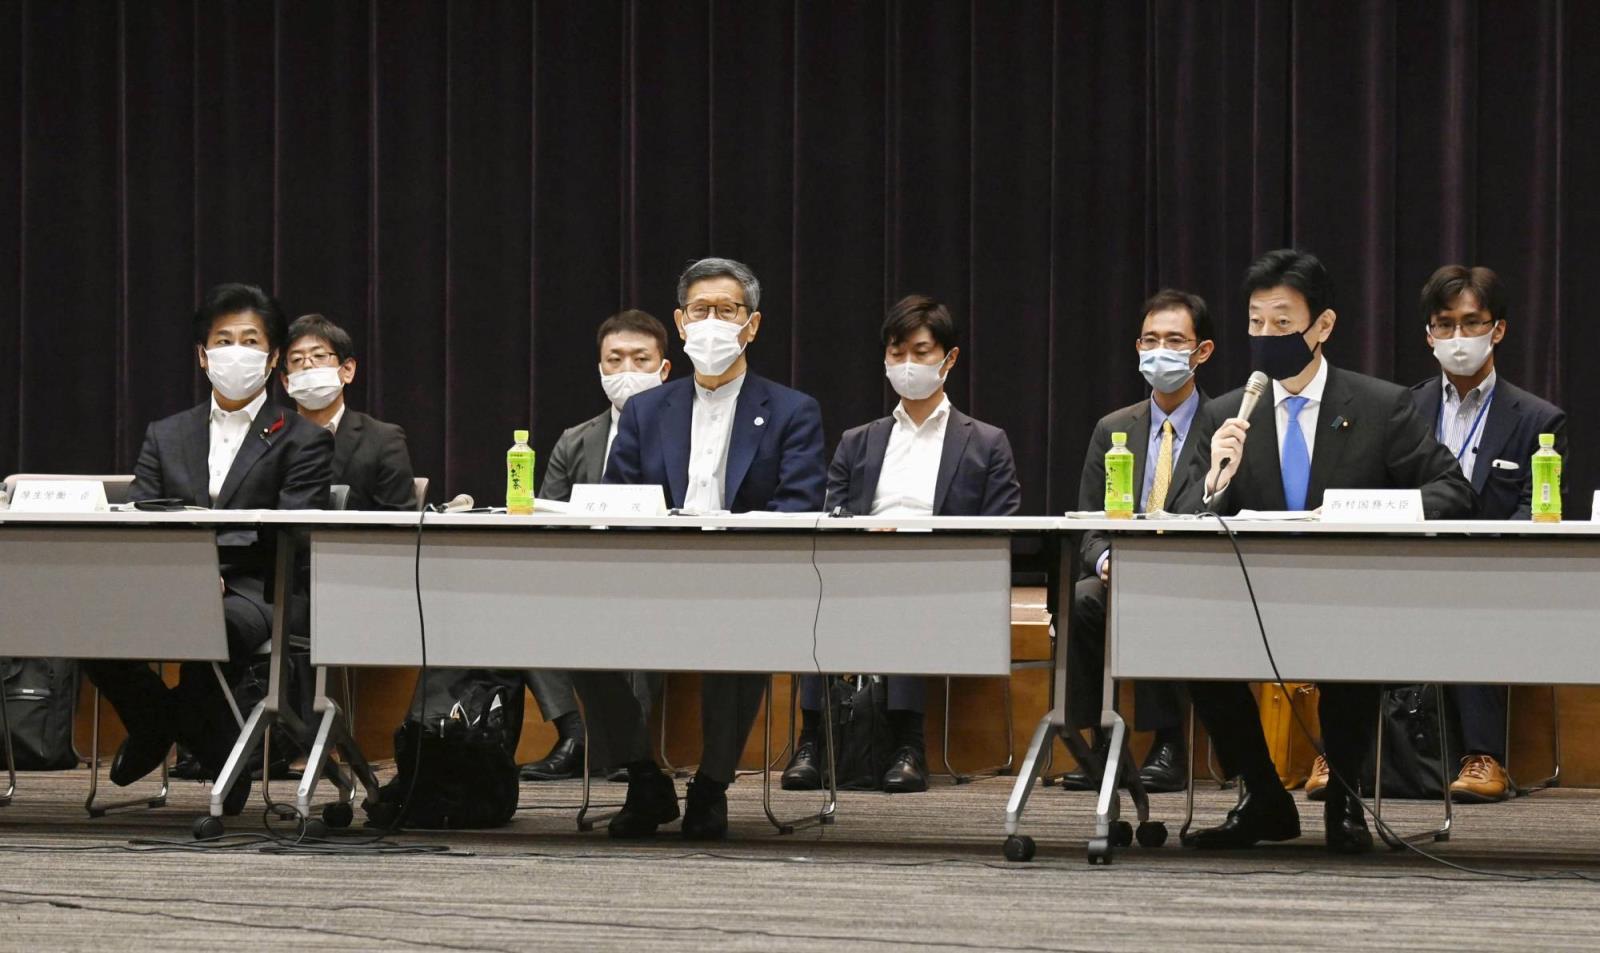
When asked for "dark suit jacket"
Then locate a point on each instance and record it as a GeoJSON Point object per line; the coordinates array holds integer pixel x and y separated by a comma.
{"type": "Point", "coordinates": [1133, 420]}
{"type": "Point", "coordinates": [371, 458]}
{"type": "Point", "coordinates": [977, 472]}
{"type": "Point", "coordinates": [1511, 432]}
{"type": "Point", "coordinates": [774, 451]}
{"type": "Point", "coordinates": [579, 457]}
{"type": "Point", "coordinates": [285, 463]}
{"type": "Point", "coordinates": [1369, 436]}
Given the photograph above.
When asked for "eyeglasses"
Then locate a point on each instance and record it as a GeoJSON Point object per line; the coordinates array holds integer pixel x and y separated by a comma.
{"type": "Point", "coordinates": [1475, 327]}
{"type": "Point", "coordinates": [319, 358]}
{"type": "Point", "coordinates": [1176, 342]}
{"type": "Point", "coordinates": [721, 310]}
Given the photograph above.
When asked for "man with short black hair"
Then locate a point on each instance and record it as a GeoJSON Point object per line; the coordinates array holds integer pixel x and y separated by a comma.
{"type": "Point", "coordinates": [235, 451]}
{"type": "Point", "coordinates": [925, 459]}
{"type": "Point", "coordinates": [1174, 340]}
{"type": "Point", "coordinates": [633, 347]}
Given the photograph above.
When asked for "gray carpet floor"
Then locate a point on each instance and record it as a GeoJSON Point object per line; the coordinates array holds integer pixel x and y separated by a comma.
{"type": "Point", "coordinates": [921, 871]}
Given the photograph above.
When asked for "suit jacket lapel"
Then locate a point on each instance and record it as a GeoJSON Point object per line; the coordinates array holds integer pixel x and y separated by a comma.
{"type": "Point", "coordinates": [1498, 423]}
{"type": "Point", "coordinates": [265, 429]}
{"type": "Point", "coordinates": [1332, 436]}
{"type": "Point", "coordinates": [677, 430]}
{"type": "Point", "coordinates": [592, 449]}
{"type": "Point", "coordinates": [1139, 443]}
{"type": "Point", "coordinates": [1180, 464]}
{"type": "Point", "coordinates": [866, 489]}
{"type": "Point", "coordinates": [196, 451]}
{"type": "Point", "coordinates": [957, 431]}
{"type": "Point", "coordinates": [345, 440]}
{"type": "Point", "coordinates": [1261, 464]}
{"type": "Point", "coordinates": [746, 435]}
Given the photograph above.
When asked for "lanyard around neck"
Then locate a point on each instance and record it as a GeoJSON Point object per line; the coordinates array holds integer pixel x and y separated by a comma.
{"type": "Point", "coordinates": [1476, 421]}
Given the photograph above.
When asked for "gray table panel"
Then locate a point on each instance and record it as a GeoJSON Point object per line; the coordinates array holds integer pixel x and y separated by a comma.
{"type": "Point", "coordinates": [1401, 609]}
{"type": "Point", "coordinates": [697, 601]}
{"type": "Point", "coordinates": [127, 592]}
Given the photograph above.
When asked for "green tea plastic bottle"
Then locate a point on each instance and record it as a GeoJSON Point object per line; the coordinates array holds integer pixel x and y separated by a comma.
{"type": "Point", "coordinates": [1547, 481]}
{"type": "Point", "coordinates": [1119, 478]}
{"type": "Point", "coordinates": [519, 476]}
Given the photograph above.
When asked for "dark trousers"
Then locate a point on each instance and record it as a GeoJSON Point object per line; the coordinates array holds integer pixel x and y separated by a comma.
{"type": "Point", "coordinates": [554, 691]}
{"type": "Point", "coordinates": [196, 712]}
{"type": "Point", "coordinates": [1348, 712]}
{"type": "Point", "coordinates": [1481, 712]}
{"type": "Point", "coordinates": [1156, 705]}
{"type": "Point", "coordinates": [906, 692]}
{"type": "Point", "coordinates": [618, 731]}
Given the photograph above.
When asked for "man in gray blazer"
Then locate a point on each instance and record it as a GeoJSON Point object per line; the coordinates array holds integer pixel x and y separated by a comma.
{"type": "Point", "coordinates": [1174, 340]}
{"type": "Point", "coordinates": [632, 348]}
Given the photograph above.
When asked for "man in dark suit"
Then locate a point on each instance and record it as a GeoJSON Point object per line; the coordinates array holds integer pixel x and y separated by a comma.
{"type": "Point", "coordinates": [235, 451]}
{"type": "Point", "coordinates": [1319, 428]}
{"type": "Point", "coordinates": [926, 458]}
{"type": "Point", "coordinates": [633, 347]}
{"type": "Point", "coordinates": [369, 455]}
{"type": "Point", "coordinates": [727, 440]}
{"type": "Point", "coordinates": [1491, 427]}
{"type": "Point", "coordinates": [1174, 340]}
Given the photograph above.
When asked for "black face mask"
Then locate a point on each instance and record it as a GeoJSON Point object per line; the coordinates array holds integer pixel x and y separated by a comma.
{"type": "Point", "coordinates": [1281, 356]}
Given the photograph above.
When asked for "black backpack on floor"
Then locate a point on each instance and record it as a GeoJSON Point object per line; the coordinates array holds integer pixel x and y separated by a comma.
{"type": "Point", "coordinates": [41, 700]}
{"type": "Point", "coordinates": [863, 741]}
{"type": "Point", "coordinates": [467, 728]}
{"type": "Point", "coordinates": [1411, 756]}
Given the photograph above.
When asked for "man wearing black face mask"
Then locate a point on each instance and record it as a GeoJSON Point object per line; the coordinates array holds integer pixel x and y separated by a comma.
{"type": "Point", "coordinates": [1322, 428]}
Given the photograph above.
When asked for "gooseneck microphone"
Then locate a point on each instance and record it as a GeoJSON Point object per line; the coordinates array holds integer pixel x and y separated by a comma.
{"type": "Point", "coordinates": [1253, 389]}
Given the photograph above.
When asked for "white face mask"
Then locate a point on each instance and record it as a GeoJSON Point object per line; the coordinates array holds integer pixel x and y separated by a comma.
{"type": "Point", "coordinates": [315, 387]}
{"type": "Point", "coordinates": [236, 371]}
{"type": "Point", "coordinates": [913, 381]}
{"type": "Point", "coordinates": [1461, 355]}
{"type": "Point", "coordinates": [713, 345]}
{"type": "Point", "coordinates": [624, 384]}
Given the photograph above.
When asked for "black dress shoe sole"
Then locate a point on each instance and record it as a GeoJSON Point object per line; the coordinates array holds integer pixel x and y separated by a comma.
{"type": "Point", "coordinates": [905, 787]}
{"type": "Point", "coordinates": [127, 768]}
{"type": "Point", "coordinates": [1350, 845]}
{"type": "Point", "coordinates": [1079, 782]}
{"type": "Point", "coordinates": [1467, 797]}
{"type": "Point", "coordinates": [705, 833]}
{"type": "Point", "coordinates": [530, 773]}
{"type": "Point", "coordinates": [1199, 841]}
{"type": "Point", "coordinates": [1320, 794]}
{"type": "Point", "coordinates": [1162, 783]}
{"type": "Point", "coordinates": [808, 782]}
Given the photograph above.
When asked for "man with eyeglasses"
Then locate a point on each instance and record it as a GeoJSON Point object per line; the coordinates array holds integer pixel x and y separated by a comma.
{"type": "Point", "coordinates": [725, 441]}
{"type": "Point", "coordinates": [1491, 427]}
{"type": "Point", "coordinates": [1174, 340]}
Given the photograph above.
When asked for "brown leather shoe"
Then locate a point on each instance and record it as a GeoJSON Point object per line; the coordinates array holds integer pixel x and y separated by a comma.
{"type": "Point", "coordinates": [1481, 781]}
{"type": "Point", "coordinates": [1317, 783]}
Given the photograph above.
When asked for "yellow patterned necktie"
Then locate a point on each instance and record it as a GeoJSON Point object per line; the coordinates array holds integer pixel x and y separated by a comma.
{"type": "Point", "coordinates": [1163, 479]}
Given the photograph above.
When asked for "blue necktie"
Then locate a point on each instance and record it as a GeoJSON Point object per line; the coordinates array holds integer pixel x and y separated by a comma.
{"type": "Point", "coordinates": [1296, 463]}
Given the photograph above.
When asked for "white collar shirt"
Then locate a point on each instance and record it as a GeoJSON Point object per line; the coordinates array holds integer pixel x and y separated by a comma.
{"type": "Point", "coordinates": [910, 474]}
{"type": "Point", "coordinates": [1462, 420]}
{"type": "Point", "coordinates": [332, 426]}
{"type": "Point", "coordinates": [709, 436]}
{"type": "Point", "coordinates": [1312, 392]}
{"type": "Point", "coordinates": [229, 428]}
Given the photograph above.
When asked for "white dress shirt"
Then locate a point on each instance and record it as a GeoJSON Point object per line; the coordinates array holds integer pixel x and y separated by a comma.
{"type": "Point", "coordinates": [1462, 420]}
{"type": "Point", "coordinates": [1308, 414]}
{"type": "Point", "coordinates": [611, 436]}
{"type": "Point", "coordinates": [229, 429]}
{"type": "Point", "coordinates": [708, 446]}
{"type": "Point", "coordinates": [910, 473]}
{"type": "Point", "coordinates": [332, 426]}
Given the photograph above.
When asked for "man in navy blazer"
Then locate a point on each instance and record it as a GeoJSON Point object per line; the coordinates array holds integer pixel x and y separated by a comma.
{"type": "Point", "coordinates": [1492, 428]}
{"type": "Point", "coordinates": [926, 458]}
{"type": "Point", "coordinates": [727, 440]}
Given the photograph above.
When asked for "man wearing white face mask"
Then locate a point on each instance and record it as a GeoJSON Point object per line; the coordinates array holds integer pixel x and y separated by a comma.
{"type": "Point", "coordinates": [1174, 340]}
{"type": "Point", "coordinates": [1492, 428]}
{"type": "Point", "coordinates": [926, 458]}
{"type": "Point", "coordinates": [369, 455]}
{"type": "Point", "coordinates": [632, 347]}
{"type": "Point", "coordinates": [728, 440]}
{"type": "Point", "coordinates": [235, 451]}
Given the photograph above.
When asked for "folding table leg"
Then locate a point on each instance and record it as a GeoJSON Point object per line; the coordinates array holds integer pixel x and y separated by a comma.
{"type": "Point", "coordinates": [11, 758]}
{"type": "Point", "coordinates": [1440, 833]}
{"type": "Point", "coordinates": [826, 814]}
{"type": "Point", "coordinates": [159, 799]}
{"type": "Point", "coordinates": [1011, 741]}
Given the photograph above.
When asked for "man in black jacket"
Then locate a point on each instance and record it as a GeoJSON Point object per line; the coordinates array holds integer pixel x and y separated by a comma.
{"type": "Point", "coordinates": [235, 451]}
{"type": "Point", "coordinates": [1319, 428]}
{"type": "Point", "coordinates": [1491, 427]}
{"type": "Point", "coordinates": [1174, 340]}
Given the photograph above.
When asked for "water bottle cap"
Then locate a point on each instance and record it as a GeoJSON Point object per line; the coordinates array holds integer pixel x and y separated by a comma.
{"type": "Point", "coordinates": [1119, 439]}
{"type": "Point", "coordinates": [1547, 440]}
{"type": "Point", "coordinates": [520, 436]}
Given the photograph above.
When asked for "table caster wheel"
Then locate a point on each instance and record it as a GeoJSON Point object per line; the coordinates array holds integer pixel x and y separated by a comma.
{"type": "Point", "coordinates": [1152, 833]}
{"type": "Point", "coordinates": [1099, 852]}
{"type": "Point", "coordinates": [338, 814]}
{"type": "Point", "coordinates": [1019, 848]}
{"type": "Point", "coordinates": [207, 827]}
{"type": "Point", "coordinates": [1121, 834]}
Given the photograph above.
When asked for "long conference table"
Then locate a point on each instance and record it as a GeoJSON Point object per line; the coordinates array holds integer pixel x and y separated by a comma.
{"type": "Point", "coordinates": [1443, 601]}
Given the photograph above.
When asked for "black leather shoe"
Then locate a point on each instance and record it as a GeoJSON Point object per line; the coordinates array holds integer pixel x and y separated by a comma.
{"type": "Point", "coordinates": [616, 775]}
{"type": "Point", "coordinates": [1166, 768]}
{"type": "Point", "coordinates": [705, 811]}
{"type": "Point", "coordinates": [564, 761]}
{"type": "Point", "coordinates": [1081, 778]}
{"type": "Point", "coordinates": [908, 773]}
{"type": "Point", "coordinates": [1264, 814]}
{"type": "Point", "coordinates": [804, 772]}
{"type": "Point", "coordinates": [651, 802]}
{"type": "Point", "coordinates": [140, 754]}
{"type": "Point", "coordinates": [1344, 825]}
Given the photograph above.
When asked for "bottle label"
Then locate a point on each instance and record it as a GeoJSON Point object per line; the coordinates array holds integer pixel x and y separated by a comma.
{"type": "Point", "coordinates": [1119, 483]}
{"type": "Point", "coordinates": [1546, 486]}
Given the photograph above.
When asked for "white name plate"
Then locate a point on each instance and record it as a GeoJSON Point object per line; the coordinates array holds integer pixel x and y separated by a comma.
{"type": "Point", "coordinates": [612, 499]}
{"type": "Point", "coordinates": [58, 496]}
{"type": "Point", "coordinates": [1372, 506]}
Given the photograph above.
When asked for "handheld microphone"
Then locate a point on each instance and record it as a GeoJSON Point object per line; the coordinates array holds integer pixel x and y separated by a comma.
{"type": "Point", "coordinates": [462, 501]}
{"type": "Point", "coordinates": [1253, 389]}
